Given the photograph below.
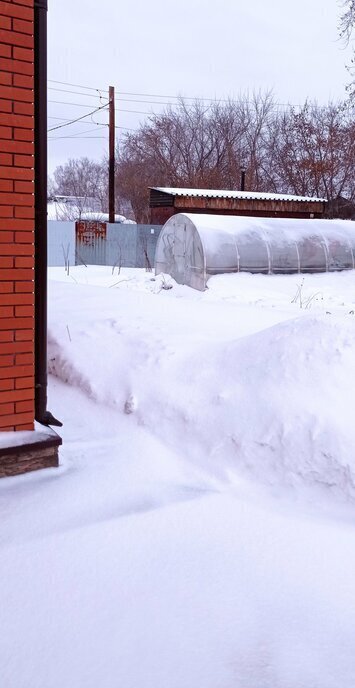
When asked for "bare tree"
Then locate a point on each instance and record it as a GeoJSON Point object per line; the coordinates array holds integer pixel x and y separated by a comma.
{"type": "Point", "coordinates": [314, 153]}
{"type": "Point", "coordinates": [306, 151]}
{"type": "Point", "coordinates": [80, 185]}
{"type": "Point", "coordinates": [346, 28]}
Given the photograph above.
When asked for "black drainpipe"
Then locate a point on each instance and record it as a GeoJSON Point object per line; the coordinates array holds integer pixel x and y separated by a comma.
{"type": "Point", "coordinates": [40, 91]}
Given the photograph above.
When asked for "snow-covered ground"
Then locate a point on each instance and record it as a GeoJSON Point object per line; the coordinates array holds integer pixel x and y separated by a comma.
{"type": "Point", "coordinates": [200, 530]}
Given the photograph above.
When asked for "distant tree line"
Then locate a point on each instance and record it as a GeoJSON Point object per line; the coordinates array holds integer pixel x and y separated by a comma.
{"type": "Point", "coordinates": [308, 150]}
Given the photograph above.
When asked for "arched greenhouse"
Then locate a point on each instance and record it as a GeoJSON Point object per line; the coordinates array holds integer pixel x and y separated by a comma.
{"type": "Point", "coordinates": [192, 247]}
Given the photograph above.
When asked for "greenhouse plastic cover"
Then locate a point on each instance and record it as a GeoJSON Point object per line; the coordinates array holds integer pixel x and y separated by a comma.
{"type": "Point", "coordinates": [192, 247]}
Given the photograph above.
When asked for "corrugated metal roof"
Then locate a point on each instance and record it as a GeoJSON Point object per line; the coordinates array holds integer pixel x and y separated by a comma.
{"type": "Point", "coordinates": [250, 195]}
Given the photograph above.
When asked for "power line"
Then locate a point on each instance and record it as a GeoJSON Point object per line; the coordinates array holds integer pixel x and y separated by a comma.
{"type": "Point", "coordinates": [77, 93]}
{"type": "Point", "coordinates": [177, 98]}
{"type": "Point", "coordinates": [80, 133]}
{"type": "Point", "coordinates": [67, 119]}
{"type": "Point", "coordinates": [64, 102]}
{"type": "Point", "coordinates": [159, 95]}
{"type": "Point", "coordinates": [66, 83]}
{"type": "Point", "coordinates": [136, 112]}
{"type": "Point", "coordinates": [76, 138]}
{"type": "Point", "coordinates": [59, 126]}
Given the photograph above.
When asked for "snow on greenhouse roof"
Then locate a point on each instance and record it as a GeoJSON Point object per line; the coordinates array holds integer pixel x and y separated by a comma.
{"type": "Point", "coordinates": [225, 193]}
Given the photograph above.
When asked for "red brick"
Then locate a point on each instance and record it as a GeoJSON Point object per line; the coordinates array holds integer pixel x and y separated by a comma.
{"type": "Point", "coordinates": [23, 288]}
{"type": "Point", "coordinates": [6, 409]}
{"type": "Point", "coordinates": [5, 105]}
{"type": "Point", "coordinates": [24, 335]}
{"type": "Point", "coordinates": [15, 173]}
{"type": "Point", "coordinates": [24, 237]}
{"type": "Point", "coordinates": [25, 383]}
{"type": "Point", "coordinates": [16, 347]}
{"type": "Point", "coordinates": [24, 262]}
{"type": "Point", "coordinates": [13, 323]}
{"type": "Point", "coordinates": [6, 288]}
{"type": "Point", "coordinates": [28, 3]}
{"type": "Point", "coordinates": [16, 147]}
{"type": "Point", "coordinates": [16, 250]}
{"type": "Point", "coordinates": [22, 406]}
{"type": "Point", "coordinates": [17, 67]}
{"type": "Point", "coordinates": [23, 134]}
{"type": "Point", "coordinates": [23, 26]}
{"type": "Point", "coordinates": [6, 360]}
{"type": "Point", "coordinates": [6, 337]}
{"type": "Point", "coordinates": [5, 80]}
{"type": "Point", "coordinates": [24, 160]}
{"type": "Point", "coordinates": [5, 50]}
{"type": "Point", "coordinates": [6, 312]}
{"type": "Point", "coordinates": [25, 212]}
{"type": "Point", "coordinates": [24, 108]}
{"type": "Point", "coordinates": [15, 198]}
{"type": "Point", "coordinates": [17, 418]}
{"type": "Point", "coordinates": [17, 225]}
{"type": "Point", "coordinates": [16, 371]}
{"type": "Point", "coordinates": [6, 385]}
{"type": "Point", "coordinates": [6, 185]}
{"type": "Point", "coordinates": [6, 262]}
{"type": "Point", "coordinates": [6, 237]}
{"type": "Point", "coordinates": [5, 158]}
{"type": "Point", "coordinates": [24, 187]}
{"type": "Point", "coordinates": [6, 211]}
{"type": "Point", "coordinates": [12, 10]}
{"type": "Point", "coordinates": [20, 394]}
{"type": "Point", "coordinates": [24, 81]}
{"type": "Point", "coordinates": [22, 94]}
{"type": "Point", "coordinates": [25, 426]}
{"type": "Point", "coordinates": [5, 23]}
{"type": "Point", "coordinates": [24, 359]}
{"type": "Point", "coordinates": [23, 54]}
{"type": "Point", "coordinates": [5, 133]}
{"type": "Point", "coordinates": [8, 323]}
{"type": "Point", "coordinates": [23, 121]}
{"type": "Point", "coordinates": [16, 38]}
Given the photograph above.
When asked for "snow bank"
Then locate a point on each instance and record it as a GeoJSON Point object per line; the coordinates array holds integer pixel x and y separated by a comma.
{"type": "Point", "coordinates": [237, 393]}
{"type": "Point", "coordinates": [154, 556]}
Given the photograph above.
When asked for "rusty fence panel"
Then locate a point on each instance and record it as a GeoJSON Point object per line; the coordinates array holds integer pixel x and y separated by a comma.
{"type": "Point", "coordinates": [119, 245]}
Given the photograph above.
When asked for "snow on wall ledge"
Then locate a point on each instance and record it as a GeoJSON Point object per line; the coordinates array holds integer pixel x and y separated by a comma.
{"type": "Point", "coordinates": [275, 404]}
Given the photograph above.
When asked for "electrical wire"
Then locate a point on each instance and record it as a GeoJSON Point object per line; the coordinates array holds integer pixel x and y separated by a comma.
{"type": "Point", "coordinates": [78, 138]}
{"type": "Point", "coordinates": [173, 98]}
{"type": "Point", "coordinates": [76, 93]}
{"type": "Point", "coordinates": [66, 83]}
{"type": "Point", "coordinates": [157, 95]}
{"type": "Point", "coordinates": [67, 119]}
{"type": "Point", "coordinates": [87, 131]}
{"type": "Point", "coordinates": [65, 102]}
{"type": "Point", "coordinates": [59, 126]}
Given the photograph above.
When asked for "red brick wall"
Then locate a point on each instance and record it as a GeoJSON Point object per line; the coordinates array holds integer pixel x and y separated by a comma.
{"type": "Point", "coordinates": [16, 215]}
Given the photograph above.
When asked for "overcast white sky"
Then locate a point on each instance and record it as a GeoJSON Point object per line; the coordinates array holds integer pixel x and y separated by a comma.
{"type": "Point", "coordinates": [191, 47]}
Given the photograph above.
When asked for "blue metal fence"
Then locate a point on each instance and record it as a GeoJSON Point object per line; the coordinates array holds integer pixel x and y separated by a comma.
{"type": "Point", "coordinates": [121, 246]}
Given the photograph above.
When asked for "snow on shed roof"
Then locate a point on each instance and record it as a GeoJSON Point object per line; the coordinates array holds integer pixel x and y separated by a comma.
{"type": "Point", "coordinates": [225, 193]}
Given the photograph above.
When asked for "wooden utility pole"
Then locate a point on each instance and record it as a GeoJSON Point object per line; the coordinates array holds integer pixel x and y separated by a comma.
{"type": "Point", "coordinates": [111, 163]}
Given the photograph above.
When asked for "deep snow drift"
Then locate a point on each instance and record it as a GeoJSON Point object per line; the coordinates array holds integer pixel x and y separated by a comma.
{"type": "Point", "coordinates": [263, 391]}
{"type": "Point", "coordinates": [200, 529]}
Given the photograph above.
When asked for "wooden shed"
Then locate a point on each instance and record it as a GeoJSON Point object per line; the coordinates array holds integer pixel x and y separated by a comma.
{"type": "Point", "coordinates": [165, 202]}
